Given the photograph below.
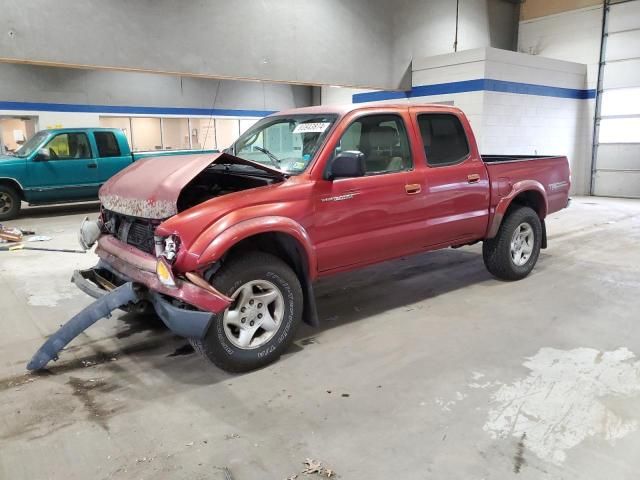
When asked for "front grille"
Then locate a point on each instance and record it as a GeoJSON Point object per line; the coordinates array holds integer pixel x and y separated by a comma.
{"type": "Point", "coordinates": [137, 232]}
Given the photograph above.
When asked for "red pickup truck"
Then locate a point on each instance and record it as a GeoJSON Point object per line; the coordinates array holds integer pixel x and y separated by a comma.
{"type": "Point", "coordinates": [226, 247]}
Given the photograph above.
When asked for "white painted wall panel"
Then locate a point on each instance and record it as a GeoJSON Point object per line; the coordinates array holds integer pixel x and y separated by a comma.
{"type": "Point", "coordinates": [625, 16]}
{"type": "Point", "coordinates": [617, 184]}
{"type": "Point", "coordinates": [622, 74]}
{"type": "Point", "coordinates": [618, 156]}
{"type": "Point", "coordinates": [572, 36]}
{"type": "Point", "coordinates": [623, 45]}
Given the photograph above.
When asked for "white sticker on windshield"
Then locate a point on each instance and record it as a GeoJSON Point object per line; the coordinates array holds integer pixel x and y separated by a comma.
{"type": "Point", "coordinates": [311, 127]}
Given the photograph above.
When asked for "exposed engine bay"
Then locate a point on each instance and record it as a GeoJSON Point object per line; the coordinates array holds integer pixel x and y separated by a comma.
{"type": "Point", "coordinates": [218, 180]}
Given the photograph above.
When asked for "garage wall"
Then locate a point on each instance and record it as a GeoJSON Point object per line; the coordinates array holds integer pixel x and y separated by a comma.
{"type": "Point", "coordinates": [77, 97]}
{"type": "Point", "coordinates": [573, 36]}
{"type": "Point", "coordinates": [516, 103]}
{"type": "Point", "coordinates": [362, 43]}
{"type": "Point", "coordinates": [542, 8]}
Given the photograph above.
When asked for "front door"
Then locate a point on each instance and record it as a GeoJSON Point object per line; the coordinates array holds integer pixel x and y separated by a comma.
{"type": "Point", "coordinates": [367, 219]}
{"type": "Point", "coordinates": [70, 172]}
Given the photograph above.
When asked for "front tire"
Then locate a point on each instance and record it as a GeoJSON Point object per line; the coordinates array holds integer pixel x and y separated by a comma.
{"type": "Point", "coordinates": [10, 203]}
{"type": "Point", "coordinates": [514, 251]}
{"type": "Point", "coordinates": [262, 320]}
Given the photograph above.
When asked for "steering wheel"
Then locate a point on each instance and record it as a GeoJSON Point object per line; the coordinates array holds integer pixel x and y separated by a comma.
{"type": "Point", "coordinates": [53, 154]}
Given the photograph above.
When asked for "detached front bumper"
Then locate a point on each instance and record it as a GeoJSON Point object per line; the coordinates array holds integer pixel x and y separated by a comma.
{"type": "Point", "coordinates": [186, 309]}
{"type": "Point", "coordinates": [124, 277]}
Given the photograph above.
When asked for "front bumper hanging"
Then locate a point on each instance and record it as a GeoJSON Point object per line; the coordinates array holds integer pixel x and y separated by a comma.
{"type": "Point", "coordinates": [125, 278]}
{"type": "Point", "coordinates": [102, 307]}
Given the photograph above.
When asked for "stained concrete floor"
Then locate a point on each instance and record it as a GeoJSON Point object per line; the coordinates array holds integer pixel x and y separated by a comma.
{"type": "Point", "coordinates": [424, 368]}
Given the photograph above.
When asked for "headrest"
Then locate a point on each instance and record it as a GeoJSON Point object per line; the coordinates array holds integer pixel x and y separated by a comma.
{"type": "Point", "coordinates": [383, 137]}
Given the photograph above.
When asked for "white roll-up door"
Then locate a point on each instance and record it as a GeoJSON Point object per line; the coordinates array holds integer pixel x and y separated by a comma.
{"type": "Point", "coordinates": [617, 143]}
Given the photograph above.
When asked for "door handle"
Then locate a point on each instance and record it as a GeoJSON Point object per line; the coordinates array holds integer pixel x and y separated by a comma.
{"type": "Point", "coordinates": [92, 165]}
{"type": "Point", "coordinates": [412, 188]}
{"type": "Point", "coordinates": [473, 178]}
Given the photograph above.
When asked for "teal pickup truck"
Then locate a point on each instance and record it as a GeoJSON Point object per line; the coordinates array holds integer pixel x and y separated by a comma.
{"type": "Point", "coordinates": [66, 165]}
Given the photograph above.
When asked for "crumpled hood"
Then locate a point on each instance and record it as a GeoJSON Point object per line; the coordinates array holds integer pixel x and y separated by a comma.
{"type": "Point", "coordinates": [149, 188]}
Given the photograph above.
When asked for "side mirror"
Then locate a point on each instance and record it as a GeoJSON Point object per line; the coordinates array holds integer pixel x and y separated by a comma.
{"type": "Point", "coordinates": [347, 164]}
{"type": "Point", "coordinates": [43, 155]}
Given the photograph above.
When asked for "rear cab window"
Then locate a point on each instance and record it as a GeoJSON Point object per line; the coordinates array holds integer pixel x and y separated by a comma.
{"type": "Point", "coordinates": [107, 144]}
{"type": "Point", "coordinates": [382, 139]}
{"type": "Point", "coordinates": [444, 139]}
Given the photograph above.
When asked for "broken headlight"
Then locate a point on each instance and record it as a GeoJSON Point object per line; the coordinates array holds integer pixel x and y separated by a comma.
{"type": "Point", "coordinates": [89, 232]}
{"type": "Point", "coordinates": [167, 247]}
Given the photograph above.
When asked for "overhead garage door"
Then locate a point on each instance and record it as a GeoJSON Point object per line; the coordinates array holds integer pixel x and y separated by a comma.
{"type": "Point", "coordinates": [617, 145]}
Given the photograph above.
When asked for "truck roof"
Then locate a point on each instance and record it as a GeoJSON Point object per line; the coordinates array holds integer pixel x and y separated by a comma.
{"type": "Point", "coordinates": [348, 108]}
{"type": "Point", "coordinates": [82, 129]}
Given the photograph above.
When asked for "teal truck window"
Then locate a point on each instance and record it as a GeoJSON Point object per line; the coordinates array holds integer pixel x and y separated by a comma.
{"type": "Point", "coordinates": [69, 146]}
{"type": "Point", "coordinates": [107, 144]}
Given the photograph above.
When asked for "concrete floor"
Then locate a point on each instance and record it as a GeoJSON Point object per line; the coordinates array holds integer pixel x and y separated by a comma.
{"type": "Point", "coordinates": [424, 368]}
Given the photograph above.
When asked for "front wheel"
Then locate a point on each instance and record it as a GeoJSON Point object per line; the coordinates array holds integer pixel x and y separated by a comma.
{"type": "Point", "coordinates": [9, 203]}
{"type": "Point", "coordinates": [262, 320]}
{"type": "Point", "coordinates": [514, 251]}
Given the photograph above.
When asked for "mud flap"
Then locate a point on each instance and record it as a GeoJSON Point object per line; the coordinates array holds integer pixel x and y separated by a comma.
{"type": "Point", "coordinates": [101, 308]}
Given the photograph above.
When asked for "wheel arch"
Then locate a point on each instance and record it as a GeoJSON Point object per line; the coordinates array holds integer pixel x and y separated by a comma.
{"type": "Point", "coordinates": [13, 183]}
{"type": "Point", "coordinates": [279, 236]}
{"type": "Point", "coordinates": [529, 193]}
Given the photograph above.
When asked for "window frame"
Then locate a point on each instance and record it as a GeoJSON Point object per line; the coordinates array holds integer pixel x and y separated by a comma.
{"type": "Point", "coordinates": [466, 139]}
{"type": "Point", "coordinates": [86, 137]}
{"type": "Point", "coordinates": [403, 123]}
{"type": "Point", "coordinates": [115, 140]}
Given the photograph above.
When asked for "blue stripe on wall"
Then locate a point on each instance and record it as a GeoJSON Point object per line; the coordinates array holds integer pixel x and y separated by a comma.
{"type": "Point", "coordinates": [477, 85]}
{"type": "Point", "coordinates": [70, 107]}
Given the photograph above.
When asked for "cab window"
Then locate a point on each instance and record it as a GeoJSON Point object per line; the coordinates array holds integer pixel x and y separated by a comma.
{"type": "Point", "coordinates": [443, 137]}
{"type": "Point", "coordinates": [65, 146]}
{"type": "Point", "coordinates": [107, 144]}
{"type": "Point", "coordinates": [383, 141]}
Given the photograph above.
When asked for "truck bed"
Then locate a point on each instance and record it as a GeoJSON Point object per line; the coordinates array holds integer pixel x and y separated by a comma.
{"type": "Point", "coordinates": [549, 173]}
{"type": "Point", "coordinates": [515, 158]}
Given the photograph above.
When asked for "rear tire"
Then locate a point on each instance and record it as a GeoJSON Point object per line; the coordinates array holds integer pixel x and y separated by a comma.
{"type": "Point", "coordinates": [10, 203]}
{"type": "Point", "coordinates": [261, 322]}
{"type": "Point", "coordinates": [514, 251]}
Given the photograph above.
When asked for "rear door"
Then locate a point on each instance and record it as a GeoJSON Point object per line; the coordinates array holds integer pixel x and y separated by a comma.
{"type": "Point", "coordinates": [68, 174]}
{"type": "Point", "coordinates": [371, 218]}
{"type": "Point", "coordinates": [456, 196]}
{"type": "Point", "coordinates": [112, 156]}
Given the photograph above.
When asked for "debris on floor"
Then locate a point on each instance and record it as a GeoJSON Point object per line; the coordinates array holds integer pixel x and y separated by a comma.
{"type": "Point", "coordinates": [315, 466]}
{"type": "Point", "coordinates": [38, 238]}
{"type": "Point", "coordinates": [20, 246]}
{"type": "Point", "coordinates": [10, 234]}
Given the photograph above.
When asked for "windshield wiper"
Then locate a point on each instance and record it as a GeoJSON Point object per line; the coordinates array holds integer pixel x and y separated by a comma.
{"type": "Point", "coordinates": [274, 160]}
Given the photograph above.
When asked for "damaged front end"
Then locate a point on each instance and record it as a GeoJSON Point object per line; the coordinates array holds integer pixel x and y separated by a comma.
{"type": "Point", "coordinates": [135, 270]}
{"type": "Point", "coordinates": [126, 279]}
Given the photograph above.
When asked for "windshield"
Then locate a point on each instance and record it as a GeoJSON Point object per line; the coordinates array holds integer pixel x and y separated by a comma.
{"type": "Point", "coordinates": [288, 143]}
{"type": "Point", "coordinates": [31, 145]}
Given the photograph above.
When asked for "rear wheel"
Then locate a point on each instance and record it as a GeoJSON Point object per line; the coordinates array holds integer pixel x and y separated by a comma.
{"type": "Point", "coordinates": [9, 203]}
{"type": "Point", "coordinates": [262, 320]}
{"type": "Point", "coordinates": [514, 251]}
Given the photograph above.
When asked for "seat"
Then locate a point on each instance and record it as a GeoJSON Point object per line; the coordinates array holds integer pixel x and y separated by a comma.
{"type": "Point", "coordinates": [381, 148]}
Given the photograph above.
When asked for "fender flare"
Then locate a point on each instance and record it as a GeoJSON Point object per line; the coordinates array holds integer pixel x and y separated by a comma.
{"type": "Point", "coordinates": [255, 226]}
{"type": "Point", "coordinates": [14, 182]}
{"type": "Point", "coordinates": [307, 272]}
{"type": "Point", "coordinates": [505, 202]}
